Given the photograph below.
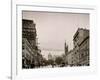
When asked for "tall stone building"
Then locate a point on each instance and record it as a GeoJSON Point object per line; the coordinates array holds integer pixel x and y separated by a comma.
{"type": "Point", "coordinates": [30, 53]}
{"type": "Point", "coordinates": [29, 31]}
{"type": "Point", "coordinates": [27, 54]}
{"type": "Point", "coordinates": [84, 49]}
{"type": "Point", "coordinates": [81, 47]}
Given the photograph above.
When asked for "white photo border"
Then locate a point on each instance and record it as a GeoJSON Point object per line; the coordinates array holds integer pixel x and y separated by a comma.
{"type": "Point", "coordinates": [69, 72]}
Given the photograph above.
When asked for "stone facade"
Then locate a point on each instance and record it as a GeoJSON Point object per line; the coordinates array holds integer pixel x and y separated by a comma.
{"type": "Point", "coordinates": [70, 58]}
{"type": "Point", "coordinates": [81, 47]}
{"type": "Point", "coordinates": [79, 55]}
{"type": "Point", "coordinates": [31, 56]}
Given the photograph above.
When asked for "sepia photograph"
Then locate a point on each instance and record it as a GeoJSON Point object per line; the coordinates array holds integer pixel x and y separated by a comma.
{"type": "Point", "coordinates": [55, 39]}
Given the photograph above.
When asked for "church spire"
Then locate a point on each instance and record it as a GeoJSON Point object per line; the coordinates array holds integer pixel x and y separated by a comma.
{"type": "Point", "coordinates": [66, 48]}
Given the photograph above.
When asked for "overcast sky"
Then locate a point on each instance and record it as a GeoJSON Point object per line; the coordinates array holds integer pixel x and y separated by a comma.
{"type": "Point", "coordinates": [54, 28]}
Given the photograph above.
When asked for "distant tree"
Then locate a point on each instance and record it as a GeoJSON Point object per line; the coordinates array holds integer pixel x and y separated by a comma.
{"type": "Point", "coordinates": [50, 61]}
{"type": "Point", "coordinates": [58, 60]}
{"type": "Point", "coordinates": [45, 62]}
